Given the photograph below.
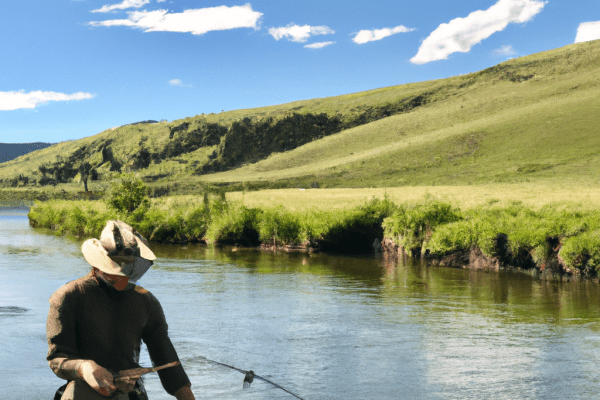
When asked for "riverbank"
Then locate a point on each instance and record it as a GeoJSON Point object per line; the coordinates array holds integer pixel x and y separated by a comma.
{"type": "Point", "coordinates": [214, 220]}
{"type": "Point", "coordinates": [558, 241]}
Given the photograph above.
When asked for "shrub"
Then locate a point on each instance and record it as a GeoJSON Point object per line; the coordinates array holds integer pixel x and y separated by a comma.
{"type": "Point", "coordinates": [96, 218]}
{"type": "Point", "coordinates": [173, 222]}
{"type": "Point", "coordinates": [46, 214]}
{"type": "Point", "coordinates": [74, 221]}
{"type": "Point", "coordinates": [197, 221]}
{"type": "Point", "coordinates": [128, 194]}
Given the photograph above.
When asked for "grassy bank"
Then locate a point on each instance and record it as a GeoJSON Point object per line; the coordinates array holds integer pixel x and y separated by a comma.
{"type": "Point", "coordinates": [555, 239]}
{"type": "Point", "coordinates": [558, 237]}
{"type": "Point", "coordinates": [216, 220]}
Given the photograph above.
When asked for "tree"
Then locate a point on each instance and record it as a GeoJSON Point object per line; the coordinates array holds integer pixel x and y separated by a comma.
{"type": "Point", "coordinates": [84, 170]}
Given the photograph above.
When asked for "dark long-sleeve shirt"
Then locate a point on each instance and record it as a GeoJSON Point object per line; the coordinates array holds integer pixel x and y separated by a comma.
{"type": "Point", "coordinates": [88, 320]}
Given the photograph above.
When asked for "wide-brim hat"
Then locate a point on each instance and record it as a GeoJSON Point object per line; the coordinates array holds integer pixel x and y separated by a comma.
{"type": "Point", "coordinates": [117, 249]}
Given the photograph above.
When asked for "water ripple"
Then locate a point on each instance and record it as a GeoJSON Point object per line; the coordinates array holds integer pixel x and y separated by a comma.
{"type": "Point", "coordinates": [12, 311]}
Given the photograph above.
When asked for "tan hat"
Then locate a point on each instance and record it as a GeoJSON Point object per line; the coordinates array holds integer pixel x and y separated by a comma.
{"type": "Point", "coordinates": [117, 249]}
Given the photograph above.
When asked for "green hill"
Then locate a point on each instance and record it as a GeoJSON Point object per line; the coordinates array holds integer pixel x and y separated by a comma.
{"type": "Point", "coordinates": [531, 119]}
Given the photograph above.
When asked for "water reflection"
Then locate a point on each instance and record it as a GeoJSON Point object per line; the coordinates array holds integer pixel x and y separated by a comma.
{"type": "Point", "coordinates": [506, 295]}
{"type": "Point", "coordinates": [510, 296]}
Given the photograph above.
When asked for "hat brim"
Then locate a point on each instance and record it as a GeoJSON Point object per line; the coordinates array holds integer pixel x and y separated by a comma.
{"type": "Point", "coordinates": [97, 256]}
{"type": "Point", "coordinates": [145, 251]}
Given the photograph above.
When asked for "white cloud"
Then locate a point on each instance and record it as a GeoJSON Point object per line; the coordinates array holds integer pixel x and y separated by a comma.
{"type": "Point", "coordinates": [299, 34]}
{"type": "Point", "coordinates": [161, 1]}
{"type": "Point", "coordinates": [365, 36]}
{"type": "Point", "coordinates": [177, 82]}
{"type": "Point", "coordinates": [196, 21]}
{"type": "Point", "coordinates": [318, 45]}
{"type": "Point", "coordinates": [588, 31]}
{"type": "Point", "coordinates": [460, 34]}
{"type": "Point", "coordinates": [20, 99]}
{"type": "Point", "coordinates": [504, 51]}
{"type": "Point", "coordinates": [122, 6]}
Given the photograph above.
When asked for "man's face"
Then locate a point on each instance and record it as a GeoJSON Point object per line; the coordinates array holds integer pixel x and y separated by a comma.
{"type": "Point", "coordinates": [117, 281]}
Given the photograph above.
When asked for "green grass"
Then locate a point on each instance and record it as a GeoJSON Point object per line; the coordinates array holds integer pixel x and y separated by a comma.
{"type": "Point", "coordinates": [532, 195]}
{"type": "Point", "coordinates": [77, 218]}
{"type": "Point", "coordinates": [215, 220]}
{"type": "Point", "coordinates": [412, 225]}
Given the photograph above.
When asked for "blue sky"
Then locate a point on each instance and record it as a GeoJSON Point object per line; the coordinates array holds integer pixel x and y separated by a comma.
{"type": "Point", "coordinates": [73, 68]}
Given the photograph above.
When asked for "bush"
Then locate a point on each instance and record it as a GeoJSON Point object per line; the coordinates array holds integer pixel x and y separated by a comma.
{"type": "Point", "coordinates": [45, 214]}
{"type": "Point", "coordinates": [517, 235]}
{"type": "Point", "coordinates": [128, 194]}
{"type": "Point", "coordinates": [197, 221]}
{"type": "Point", "coordinates": [314, 225]}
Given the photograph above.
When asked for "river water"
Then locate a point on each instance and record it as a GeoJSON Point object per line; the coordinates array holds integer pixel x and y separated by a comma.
{"type": "Point", "coordinates": [321, 326]}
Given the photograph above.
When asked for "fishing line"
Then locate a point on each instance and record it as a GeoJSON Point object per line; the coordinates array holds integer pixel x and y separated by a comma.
{"type": "Point", "coordinates": [249, 375]}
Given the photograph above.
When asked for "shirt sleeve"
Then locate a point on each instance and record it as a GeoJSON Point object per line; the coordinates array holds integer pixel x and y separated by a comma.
{"type": "Point", "coordinates": [161, 350]}
{"type": "Point", "coordinates": [60, 332]}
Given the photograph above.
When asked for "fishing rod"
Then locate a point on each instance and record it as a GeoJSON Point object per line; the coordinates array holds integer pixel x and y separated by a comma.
{"type": "Point", "coordinates": [249, 377]}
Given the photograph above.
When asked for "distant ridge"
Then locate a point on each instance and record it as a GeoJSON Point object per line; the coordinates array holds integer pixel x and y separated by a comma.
{"type": "Point", "coordinates": [9, 151]}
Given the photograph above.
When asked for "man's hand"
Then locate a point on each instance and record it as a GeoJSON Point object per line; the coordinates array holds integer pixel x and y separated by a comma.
{"type": "Point", "coordinates": [100, 379]}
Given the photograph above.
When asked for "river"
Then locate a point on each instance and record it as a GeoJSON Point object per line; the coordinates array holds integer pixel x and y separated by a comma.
{"type": "Point", "coordinates": [321, 326]}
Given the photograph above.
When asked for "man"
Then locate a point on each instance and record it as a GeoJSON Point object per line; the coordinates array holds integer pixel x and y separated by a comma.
{"type": "Point", "coordinates": [96, 323]}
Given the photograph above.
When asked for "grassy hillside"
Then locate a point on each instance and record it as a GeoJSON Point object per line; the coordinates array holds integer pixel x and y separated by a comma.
{"type": "Point", "coordinates": [484, 128]}
{"type": "Point", "coordinates": [531, 119]}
